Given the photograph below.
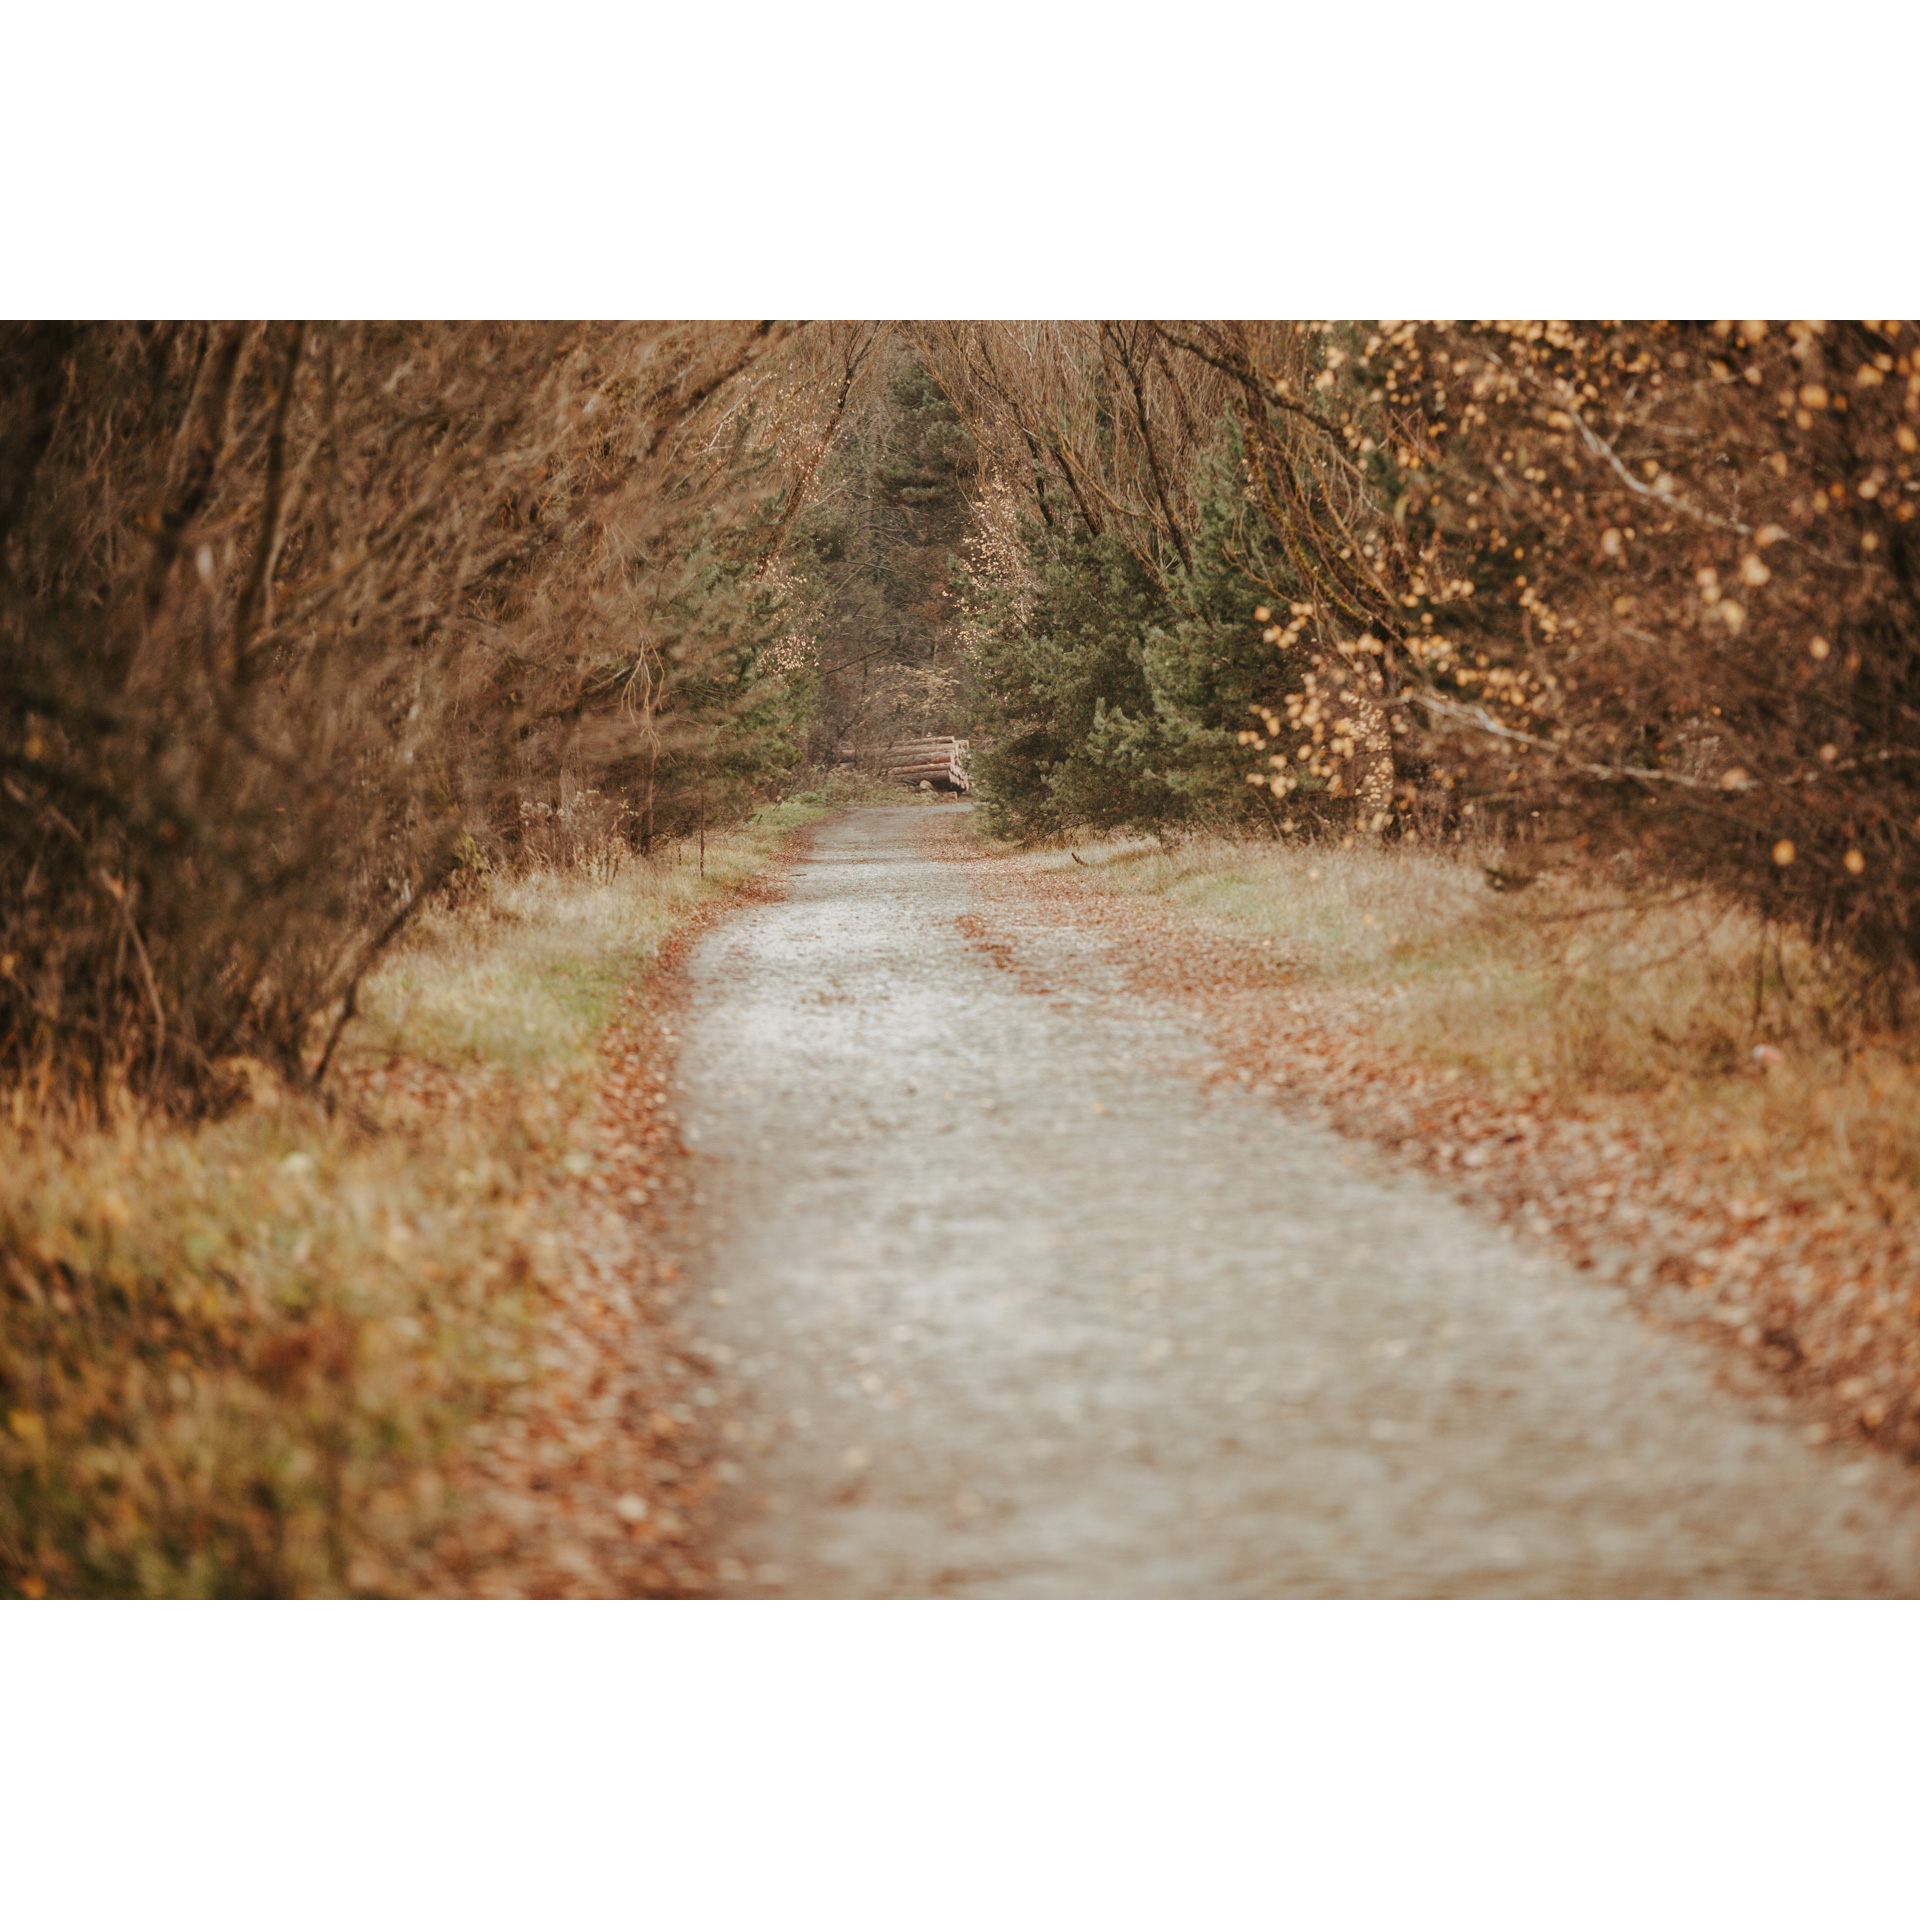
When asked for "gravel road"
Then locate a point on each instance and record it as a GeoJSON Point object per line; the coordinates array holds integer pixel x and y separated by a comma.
{"type": "Point", "coordinates": [1002, 1300]}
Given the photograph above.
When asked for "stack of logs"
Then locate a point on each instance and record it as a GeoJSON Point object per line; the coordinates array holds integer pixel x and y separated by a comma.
{"type": "Point", "coordinates": [937, 761]}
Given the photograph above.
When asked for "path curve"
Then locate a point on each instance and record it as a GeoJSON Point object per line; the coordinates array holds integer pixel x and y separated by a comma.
{"type": "Point", "coordinates": [1002, 1299]}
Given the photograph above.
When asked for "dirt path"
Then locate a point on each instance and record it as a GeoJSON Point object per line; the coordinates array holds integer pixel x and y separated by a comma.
{"type": "Point", "coordinates": [1006, 1301]}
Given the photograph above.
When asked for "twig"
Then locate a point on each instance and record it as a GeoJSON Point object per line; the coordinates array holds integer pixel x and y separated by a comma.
{"type": "Point", "coordinates": [1653, 905]}
{"type": "Point", "coordinates": [350, 1003]}
{"type": "Point", "coordinates": [1473, 717]}
{"type": "Point", "coordinates": [117, 892]}
{"type": "Point", "coordinates": [1599, 447]}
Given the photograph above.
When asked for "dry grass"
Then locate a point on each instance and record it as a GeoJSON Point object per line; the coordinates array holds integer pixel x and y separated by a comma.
{"type": "Point", "coordinates": [1608, 1005]}
{"type": "Point", "coordinates": [236, 1357]}
{"type": "Point", "coordinates": [522, 980]}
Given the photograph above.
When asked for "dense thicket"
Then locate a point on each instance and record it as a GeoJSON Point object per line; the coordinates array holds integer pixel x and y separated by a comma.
{"type": "Point", "coordinates": [1644, 590]}
{"type": "Point", "coordinates": [1109, 439]}
{"type": "Point", "coordinates": [1671, 599]}
{"type": "Point", "coordinates": [1113, 694]}
{"type": "Point", "coordinates": [298, 621]}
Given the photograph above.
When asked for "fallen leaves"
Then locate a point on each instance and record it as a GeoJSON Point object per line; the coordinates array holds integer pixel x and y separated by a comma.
{"type": "Point", "coordinates": [1826, 1298]}
{"type": "Point", "coordinates": [598, 1479]}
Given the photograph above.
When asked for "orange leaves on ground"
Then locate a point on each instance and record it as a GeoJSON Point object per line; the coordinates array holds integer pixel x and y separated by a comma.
{"type": "Point", "coordinates": [1820, 1294]}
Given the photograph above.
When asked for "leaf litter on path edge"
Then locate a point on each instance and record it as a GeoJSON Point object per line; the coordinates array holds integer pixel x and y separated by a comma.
{"type": "Point", "coordinates": [596, 1478]}
{"type": "Point", "coordinates": [1816, 1306]}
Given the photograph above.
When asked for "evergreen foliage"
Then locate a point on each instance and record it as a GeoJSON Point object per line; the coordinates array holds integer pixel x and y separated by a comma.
{"type": "Point", "coordinates": [721, 718]}
{"type": "Point", "coordinates": [1064, 705]}
{"type": "Point", "coordinates": [878, 544]}
{"type": "Point", "coordinates": [1116, 695]}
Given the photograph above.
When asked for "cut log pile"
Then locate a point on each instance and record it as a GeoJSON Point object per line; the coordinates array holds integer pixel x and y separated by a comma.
{"type": "Point", "coordinates": [940, 760]}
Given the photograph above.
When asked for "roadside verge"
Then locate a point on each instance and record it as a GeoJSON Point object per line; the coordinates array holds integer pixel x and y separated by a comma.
{"type": "Point", "coordinates": [379, 1349]}
{"type": "Point", "coordinates": [1673, 1103]}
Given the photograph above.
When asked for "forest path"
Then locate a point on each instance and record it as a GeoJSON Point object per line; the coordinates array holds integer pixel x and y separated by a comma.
{"type": "Point", "coordinates": [1003, 1300]}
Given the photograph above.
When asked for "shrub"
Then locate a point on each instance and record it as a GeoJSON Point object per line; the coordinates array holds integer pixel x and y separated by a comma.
{"type": "Point", "coordinates": [1114, 695]}
{"type": "Point", "coordinates": [1673, 608]}
{"type": "Point", "coordinates": [293, 618]}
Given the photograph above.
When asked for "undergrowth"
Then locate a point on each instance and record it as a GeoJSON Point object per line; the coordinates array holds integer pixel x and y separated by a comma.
{"type": "Point", "coordinates": [235, 1357]}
